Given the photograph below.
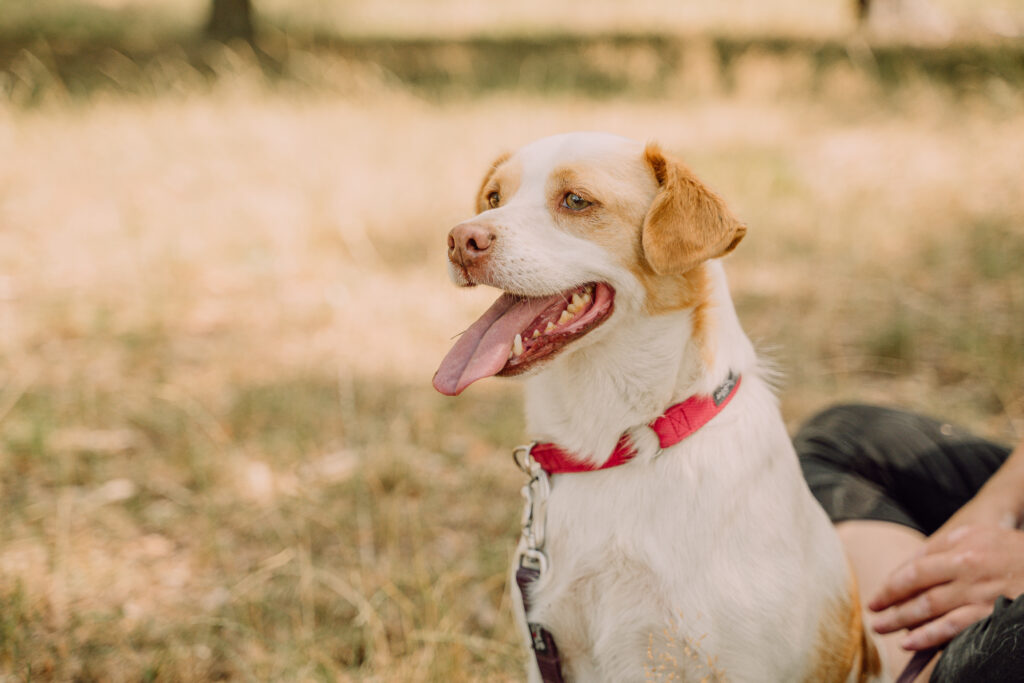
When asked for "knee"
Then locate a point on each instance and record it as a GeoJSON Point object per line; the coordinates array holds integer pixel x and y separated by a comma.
{"type": "Point", "coordinates": [835, 432]}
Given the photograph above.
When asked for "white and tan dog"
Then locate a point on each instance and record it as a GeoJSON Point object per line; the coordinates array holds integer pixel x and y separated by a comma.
{"type": "Point", "coordinates": [709, 559]}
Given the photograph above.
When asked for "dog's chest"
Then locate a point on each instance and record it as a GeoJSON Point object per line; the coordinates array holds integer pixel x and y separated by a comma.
{"type": "Point", "coordinates": [617, 622]}
{"type": "Point", "coordinates": [661, 575]}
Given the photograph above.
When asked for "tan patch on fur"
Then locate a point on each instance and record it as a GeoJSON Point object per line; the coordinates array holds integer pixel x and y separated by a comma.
{"type": "Point", "coordinates": [689, 290]}
{"type": "Point", "coordinates": [686, 225]}
{"type": "Point", "coordinates": [660, 219]}
{"type": "Point", "coordinates": [687, 222]}
{"type": "Point", "coordinates": [501, 177]}
{"type": "Point", "coordinates": [621, 194]}
{"type": "Point", "coordinates": [615, 223]}
{"type": "Point", "coordinates": [666, 293]}
{"type": "Point", "coordinates": [563, 179]}
{"type": "Point", "coordinates": [844, 648]}
{"type": "Point", "coordinates": [623, 197]}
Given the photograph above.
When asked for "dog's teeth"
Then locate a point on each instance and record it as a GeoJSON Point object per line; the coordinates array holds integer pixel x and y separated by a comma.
{"type": "Point", "coordinates": [577, 301]}
{"type": "Point", "coordinates": [517, 345]}
{"type": "Point", "coordinates": [564, 318]}
{"type": "Point", "coordinates": [586, 298]}
{"type": "Point", "coordinates": [550, 327]}
{"type": "Point", "coordinates": [572, 308]}
{"type": "Point", "coordinates": [536, 333]}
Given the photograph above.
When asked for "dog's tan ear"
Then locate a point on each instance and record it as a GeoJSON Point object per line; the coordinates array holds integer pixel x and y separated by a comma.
{"type": "Point", "coordinates": [687, 222]}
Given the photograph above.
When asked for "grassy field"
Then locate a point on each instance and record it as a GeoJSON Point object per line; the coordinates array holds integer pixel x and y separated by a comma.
{"type": "Point", "coordinates": [220, 309]}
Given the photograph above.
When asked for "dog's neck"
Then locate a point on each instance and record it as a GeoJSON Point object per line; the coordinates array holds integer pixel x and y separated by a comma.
{"type": "Point", "coordinates": [585, 400]}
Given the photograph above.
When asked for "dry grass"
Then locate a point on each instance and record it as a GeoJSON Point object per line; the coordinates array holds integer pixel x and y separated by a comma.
{"type": "Point", "coordinates": [220, 456]}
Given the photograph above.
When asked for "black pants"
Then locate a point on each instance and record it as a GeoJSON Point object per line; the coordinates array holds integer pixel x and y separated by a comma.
{"type": "Point", "coordinates": [867, 462]}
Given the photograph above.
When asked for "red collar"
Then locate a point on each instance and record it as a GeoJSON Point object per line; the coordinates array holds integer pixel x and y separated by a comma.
{"type": "Point", "coordinates": [674, 425]}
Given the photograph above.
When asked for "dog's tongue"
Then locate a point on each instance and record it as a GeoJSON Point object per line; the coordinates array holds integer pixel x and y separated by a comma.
{"type": "Point", "coordinates": [483, 349]}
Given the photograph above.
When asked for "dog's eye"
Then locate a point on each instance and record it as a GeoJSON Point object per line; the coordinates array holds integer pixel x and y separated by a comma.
{"type": "Point", "coordinates": [493, 199]}
{"type": "Point", "coordinates": [575, 202]}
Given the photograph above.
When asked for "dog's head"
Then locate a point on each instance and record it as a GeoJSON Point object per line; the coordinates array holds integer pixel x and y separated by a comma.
{"type": "Point", "coordinates": [578, 230]}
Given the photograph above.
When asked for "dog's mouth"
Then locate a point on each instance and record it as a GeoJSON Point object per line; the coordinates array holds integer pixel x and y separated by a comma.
{"type": "Point", "coordinates": [518, 332]}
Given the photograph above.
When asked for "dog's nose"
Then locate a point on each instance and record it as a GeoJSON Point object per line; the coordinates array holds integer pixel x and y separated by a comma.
{"type": "Point", "coordinates": [469, 242]}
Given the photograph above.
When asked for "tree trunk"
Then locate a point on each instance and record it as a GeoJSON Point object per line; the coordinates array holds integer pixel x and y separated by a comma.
{"type": "Point", "coordinates": [862, 8]}
{"type": "Point", "coordinates": [230, 19]}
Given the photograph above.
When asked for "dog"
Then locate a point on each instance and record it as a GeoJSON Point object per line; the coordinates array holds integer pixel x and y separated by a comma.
{"type": "Point", "coordinates": [699, 559]}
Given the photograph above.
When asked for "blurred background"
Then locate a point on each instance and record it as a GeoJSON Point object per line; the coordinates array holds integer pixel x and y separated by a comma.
{"type": "Point", "coordinates": [223, 292]}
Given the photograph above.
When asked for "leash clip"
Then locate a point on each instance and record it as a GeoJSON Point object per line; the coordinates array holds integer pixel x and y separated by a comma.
{"type": "Point", "coordinates": [523, 459]}
{"type": "Point", "coordinates": [534, 559]}
{"type": "Point", "coordinates": [535, 494]}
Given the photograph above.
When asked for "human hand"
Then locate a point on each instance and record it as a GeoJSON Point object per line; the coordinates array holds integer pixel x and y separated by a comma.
{"type": "Point", "coordinates": [950, 583]}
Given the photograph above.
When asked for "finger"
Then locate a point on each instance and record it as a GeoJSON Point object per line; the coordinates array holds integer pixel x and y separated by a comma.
{"type": "Point", "coordinates": [912, 577]}
{"type": "Point", "coordinates": [944, 629]}
{"type": "Point", "coordinates": [944, 539]}
{"type": "Point", "coordinates": [923, 607]}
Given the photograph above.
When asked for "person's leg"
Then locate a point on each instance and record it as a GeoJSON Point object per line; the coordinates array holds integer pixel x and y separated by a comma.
{"type": "Point", "coordinates": [874, 550]}
{"type": "Point", "coordinates": [888, 478]}
{"type": "Point", "coordinates": [989, 650]}
{"type": "Point", "coordinates": [868, 462]}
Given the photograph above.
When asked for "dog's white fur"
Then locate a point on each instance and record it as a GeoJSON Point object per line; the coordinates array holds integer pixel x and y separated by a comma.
{"type": "Point", "coordinates": [710, 559]}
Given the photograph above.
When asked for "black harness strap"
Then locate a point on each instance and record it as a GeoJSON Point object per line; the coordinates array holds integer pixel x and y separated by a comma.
{"type": "Point", "coordinates": [916, 665]}
{"type": "Point", "coordinates": [544, 649]}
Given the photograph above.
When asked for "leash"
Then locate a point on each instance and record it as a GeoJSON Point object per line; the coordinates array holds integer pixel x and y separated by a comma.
{"type": "Point", "coordinates": [540, 460]}
{"type": "Point", "coordinates": [533, 562]}
{"type": "Point", "coordinates": [916, 665]}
